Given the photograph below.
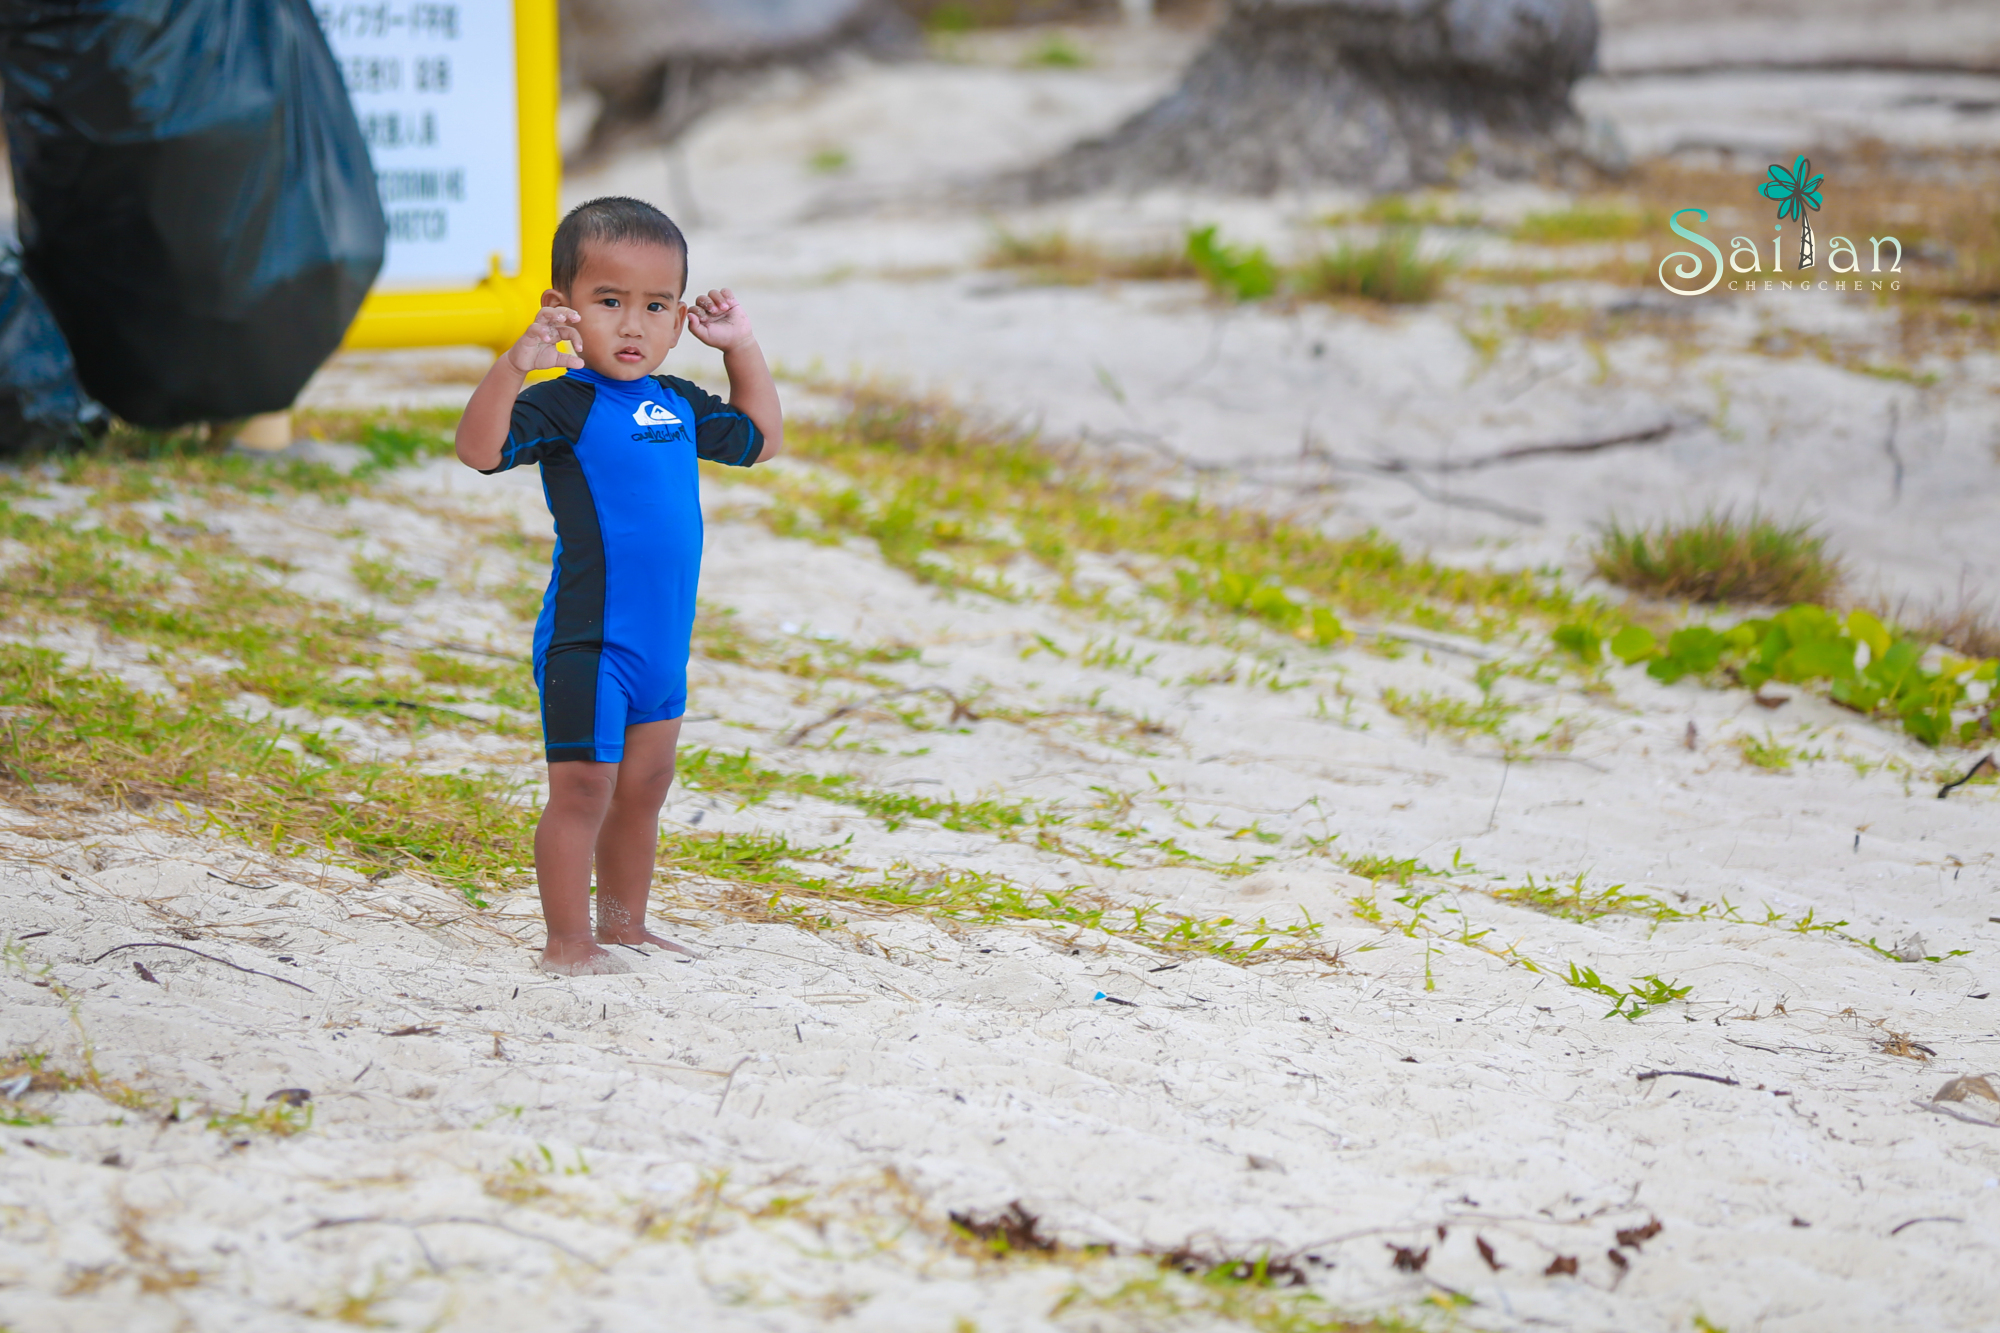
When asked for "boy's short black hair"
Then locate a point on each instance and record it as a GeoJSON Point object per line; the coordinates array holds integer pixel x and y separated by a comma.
{"type": "Point", "coordinates": [612, 218]}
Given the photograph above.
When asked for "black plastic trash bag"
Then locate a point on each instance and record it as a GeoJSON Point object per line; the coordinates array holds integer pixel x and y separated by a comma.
{"type": "Point", "coordinates": [41, 404]}
{"type": "Point", "coordinates": [196, 203]}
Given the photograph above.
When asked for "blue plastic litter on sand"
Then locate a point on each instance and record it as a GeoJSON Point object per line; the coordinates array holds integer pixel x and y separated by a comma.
{"type": "Point", "coordinates": [1099, 996]}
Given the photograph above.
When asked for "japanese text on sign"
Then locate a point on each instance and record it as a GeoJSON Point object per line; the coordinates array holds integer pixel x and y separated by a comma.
{"type": "Point", "coordinates": [433, 87]}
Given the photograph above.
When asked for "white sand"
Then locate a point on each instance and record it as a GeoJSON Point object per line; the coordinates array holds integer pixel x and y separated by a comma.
{"type": "Point", "coordinates": [773, 1136]}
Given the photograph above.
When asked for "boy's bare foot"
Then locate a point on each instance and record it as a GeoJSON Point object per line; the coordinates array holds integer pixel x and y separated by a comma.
{"type": "Point", "coordinates": [579, 958]}
{"type": "Point", "coordinates": [627, 933]}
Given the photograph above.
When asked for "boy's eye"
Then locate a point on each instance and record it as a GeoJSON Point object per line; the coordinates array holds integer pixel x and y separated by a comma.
{"type": "Point", "coordinates": [611, 301]}
{"type": "Point", "coordinates": [656, 307]}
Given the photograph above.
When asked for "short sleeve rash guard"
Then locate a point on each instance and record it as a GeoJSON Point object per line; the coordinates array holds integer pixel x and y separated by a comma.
{"type": "Point", "coordinates": [618, 470]}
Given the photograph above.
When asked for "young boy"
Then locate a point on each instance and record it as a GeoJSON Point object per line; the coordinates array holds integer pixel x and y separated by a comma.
{"type": "Point", "coordinates": [617, 445]}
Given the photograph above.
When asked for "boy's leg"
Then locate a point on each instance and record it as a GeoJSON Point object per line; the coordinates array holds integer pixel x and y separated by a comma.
{"type": "Point", "coordinates": [580, 793]}
{"type": "Point", "coordinates": [630, 836]}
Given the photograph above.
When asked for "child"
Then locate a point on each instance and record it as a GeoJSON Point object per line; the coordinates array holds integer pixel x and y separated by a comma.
{"type": "Point", "coordinates": [617, 445]}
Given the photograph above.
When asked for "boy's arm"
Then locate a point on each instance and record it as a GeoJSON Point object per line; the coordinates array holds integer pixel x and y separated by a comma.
{"type": "Point", "coordinates": [482, 431]}
{"type": "Point", "coordinates": [719, 320]}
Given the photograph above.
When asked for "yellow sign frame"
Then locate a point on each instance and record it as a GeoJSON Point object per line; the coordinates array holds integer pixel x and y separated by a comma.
{"type": "Point", "coordinates": [493, 313]}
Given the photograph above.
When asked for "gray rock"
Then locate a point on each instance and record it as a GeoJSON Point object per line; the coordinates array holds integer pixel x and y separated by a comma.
{"type": "Point", "coordinates": [1389, 94]}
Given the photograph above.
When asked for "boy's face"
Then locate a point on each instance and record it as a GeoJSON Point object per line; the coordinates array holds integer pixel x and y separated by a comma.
{"type": "Point", "coordinates": [628, 295]}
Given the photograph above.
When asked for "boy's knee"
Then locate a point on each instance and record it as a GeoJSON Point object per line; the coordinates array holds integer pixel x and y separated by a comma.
{"type": "Point", "coordinates": [581, 783]}
{"type": "Point", "coordinates": [647, 784]}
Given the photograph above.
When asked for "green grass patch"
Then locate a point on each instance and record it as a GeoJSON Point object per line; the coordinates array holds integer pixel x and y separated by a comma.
{"type": "Point", "coordinates": [1056, 51]}
{"type": "Point", "coordinates": [1580, 223]}
{"type": "Point", "coordinates": [1399, 210]}
{"type": "Point", "coordinates": [1390, 269]}
{"type": "Point", "coordinates": [388, 580]}
{"type": "Point", "coordinates": [1720, 557]}
{"type": "Point", "coordinates": [196, 593]}
{"type": "Point", "coordinates": [1056, 258]}
{"type": "Point", "coordinates": [91, 733]}
{"type": "Point", "coordinates": [1464, 718]}
{"type": "Point", "coordinates": [829, 161]}
{"type": "Point", "coordinates": [74, 734]}
{"type": "Point", "coordinates": [1766, 752]}
{"type": "Point", "coordinates": [949, 502]}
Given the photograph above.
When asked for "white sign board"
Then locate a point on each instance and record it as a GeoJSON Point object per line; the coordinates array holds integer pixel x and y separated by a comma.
{"type": "Point", "coordinates": [433, 85]}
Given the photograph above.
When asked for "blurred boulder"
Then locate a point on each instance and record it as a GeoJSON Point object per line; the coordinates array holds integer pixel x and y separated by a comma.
{"type": "Point", "coordinates": [658, 65]}
{"type": "Point", "coordinates": [1386, 94]}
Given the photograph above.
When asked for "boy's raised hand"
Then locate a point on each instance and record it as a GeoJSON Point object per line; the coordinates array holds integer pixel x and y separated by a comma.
{"type": "Point", "coordinates": [536, 349]}
{"type": "Point", "coordinates": [719, 320]}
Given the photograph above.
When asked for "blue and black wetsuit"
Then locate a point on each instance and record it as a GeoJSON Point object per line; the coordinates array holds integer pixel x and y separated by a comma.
{"type": "Point", "coordinates": [618, 468]}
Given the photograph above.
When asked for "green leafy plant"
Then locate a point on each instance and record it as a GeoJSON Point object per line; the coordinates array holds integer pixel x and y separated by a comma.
{"type": "Point", "coordinates": [1241, 273]}
{"type": "Point", "coordinates": [1629, 1002]}
{"type": "Point", "coordinates": [1866, 667]}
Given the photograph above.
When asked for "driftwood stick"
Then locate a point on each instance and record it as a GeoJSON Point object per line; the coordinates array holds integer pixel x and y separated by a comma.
{"type": "Point", "coordinates": [1970, 773]}
{"type": "Point", "coordinates": [326, 1224]}
{"type": "Point", "coordinates": [959, 709]}
{"type": "Point", "coordinates": [156, 944]}
{"type": "Point", "coordinates": [1687, 1073]}
{"type": "Point", "coordinates": [1645, 435]}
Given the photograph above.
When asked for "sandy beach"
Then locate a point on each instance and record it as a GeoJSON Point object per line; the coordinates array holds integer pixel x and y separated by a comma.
{"type": "Point", "coordinates": [1311, 1005]}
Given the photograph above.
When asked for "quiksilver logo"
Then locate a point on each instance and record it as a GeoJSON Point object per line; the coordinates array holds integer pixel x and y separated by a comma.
{"type": "Point", "coordinates": [650, 413]}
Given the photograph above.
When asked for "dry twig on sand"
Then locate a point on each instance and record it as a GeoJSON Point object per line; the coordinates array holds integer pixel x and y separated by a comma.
{"type": "Point", "coordinates": [156, 944]}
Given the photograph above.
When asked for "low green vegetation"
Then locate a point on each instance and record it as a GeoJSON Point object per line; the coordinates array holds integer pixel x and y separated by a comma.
{"type": "Point", "coordinates": [179, 588]}
{"type": "Point", "coordinates": [81, 733]}
{"type": "Point", "coordinates": [1627, 1002]}
{"type": "Point", "coordinates": [1720, 557]}
{"type": "Point", "coordinates": [1768, 752]}
{"type": "Point", "coordinates": [1055, 258]}
{"type": "Point", "coordinates": [1391, 269]}
{"type": "Point", "coordinates": [1400, 210]}
{"type": "Point", "coordinates": [955, 504]}
{"type": "Point", "coordinates": [1864, 665]}
{"type": "Point", "coordinates": [1240, 272]}
{"type": "Point", "coordinates": [828, 161]}
{"type": "Point", "coordinates": [1581, 222]}
{"type": "Point", "coordinates": [1056, 51]}
{"type": "Point", "coordinates": [1463, 718]}
{"type": "Point", "coordinates": [1211, 1300]}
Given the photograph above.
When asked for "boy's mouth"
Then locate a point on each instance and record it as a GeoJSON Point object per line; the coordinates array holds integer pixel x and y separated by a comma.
{"type": "Point", "coordinates": [630, 355]}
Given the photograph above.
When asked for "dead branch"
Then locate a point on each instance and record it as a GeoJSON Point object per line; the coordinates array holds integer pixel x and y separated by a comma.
{"type": "Point", "coordinates": [1985, 764]}
{"type": "Point", "coordinates": [156, 944]}
{"type": "Point", "coordinates": [325, 1224]}
{"type": "Point", "coordinates": [1644, 436]}
{"type": "Point", "coordinates": [960, 710]}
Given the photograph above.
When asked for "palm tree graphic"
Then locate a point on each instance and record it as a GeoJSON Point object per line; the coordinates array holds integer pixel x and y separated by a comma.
{"type": "Point", "coordinates": [1796, 191]}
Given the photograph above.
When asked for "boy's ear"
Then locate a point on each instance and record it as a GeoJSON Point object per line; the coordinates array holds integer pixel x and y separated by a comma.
{"type": "Point", "coordinates": [552, 297]}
